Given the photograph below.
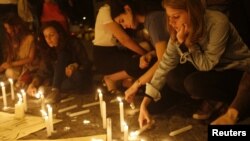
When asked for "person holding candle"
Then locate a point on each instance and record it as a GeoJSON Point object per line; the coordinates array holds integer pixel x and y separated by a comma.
{"type": "Point", "coordinates": [114, 62]}
{"type": "Point", "coordinates": [205, 58]}
{"type": "Point", "coordinates": [66, 58]}
{"type": "Point", "coordinates": [18, 49]}
{"type": "Point", "coordinates": [131, 14]}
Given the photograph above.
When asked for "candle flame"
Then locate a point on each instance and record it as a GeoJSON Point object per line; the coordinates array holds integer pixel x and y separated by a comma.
{"type": "Point", "coordinates": [10, 80]}
{"type": "Point", "coordinates": [20, 99]}
{"type": "Point", "coordinates": [119, 99]}
{"type": "Point", "coordinates": [44, 114]}
{"type": "Point", "coordinates": [2, 84]}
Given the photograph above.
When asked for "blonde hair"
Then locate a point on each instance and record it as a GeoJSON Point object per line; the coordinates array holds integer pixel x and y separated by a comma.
{"type": "Point", "coordinates": [196, 11]}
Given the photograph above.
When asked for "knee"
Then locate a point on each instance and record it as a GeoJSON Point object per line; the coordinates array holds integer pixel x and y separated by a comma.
{"type": "Point", "coordinates": [172, 80]}
{"type": "Point", "coordinates": [11, 73]}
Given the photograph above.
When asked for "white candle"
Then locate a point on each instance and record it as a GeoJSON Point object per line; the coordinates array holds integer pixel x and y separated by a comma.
{"type": "Point", "coordinates": [104, 115]}
{"type": "Point", "coordinates": [100, 100]}
{"type": "Point", "coordinates": [24, 100]}
{"type": "Point", "coordinates": [67, 108]}
{"type": "Point", "coordinates": [109, 129]}
{"type": "Point", "coordinates": [50, 115]}
{"type": "Point", "coordinates": [121, 113]}
{"type": "Point", "coordinates": [67, 99]}
{"type": "Point", "coordinates": [47, 125]}
{"type": "Point", "coordinates": [4, 95]}
{"type": "Point", "coordinates": [79, 113]}
{"type": "Point", "coordinates": [181, 130]}
{"type": "Point", "coordinates": [19, 108]}
{"type": "Point", "coordinates": [125, 132]}
{"type": "Point", "coordinates": [90, 104]}
{"type": "Point", "coordinates": [12, 89]}
{"type": "Point", "coordinates": [40, 95]}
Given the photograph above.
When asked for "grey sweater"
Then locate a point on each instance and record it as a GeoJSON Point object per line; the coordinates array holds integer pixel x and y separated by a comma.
{"type": "Point", "coordinates": [221, 48]}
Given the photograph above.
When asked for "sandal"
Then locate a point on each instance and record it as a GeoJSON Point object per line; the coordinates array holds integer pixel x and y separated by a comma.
{"type": "Point", "coordinates": [111, 88]}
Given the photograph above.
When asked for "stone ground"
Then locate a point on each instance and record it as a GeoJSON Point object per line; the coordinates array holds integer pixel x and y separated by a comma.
{"type": "Point", "coordinates": [172, 118]}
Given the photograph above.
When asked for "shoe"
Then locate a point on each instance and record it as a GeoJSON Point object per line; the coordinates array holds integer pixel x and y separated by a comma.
{"type": "Point", "coordinates": [207, 109]}
{"type": "Point", "coordinates": [53, 96]}
{"type": "Point", "coordinates": [229, 118]}
{"type": "Point", "coordinates": [110, 87]}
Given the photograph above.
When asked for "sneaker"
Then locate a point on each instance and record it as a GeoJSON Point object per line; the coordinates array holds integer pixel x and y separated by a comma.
{"type": "Point", "coordinates": [207, 109]}
{"type": "Point", "coordinates": [53, 96]}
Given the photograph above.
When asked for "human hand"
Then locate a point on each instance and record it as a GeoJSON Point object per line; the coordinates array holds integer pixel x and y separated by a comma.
{"type": "Point", "coordinates": [31, 90]}
{"type": "Point", "coordinates": [70, 69]}
{"type": "Point", "coordinates": [6, 65]}
{"type": "Point", "coordinates": [182, 33]}
{"type": "Point", "coordinates": [144, 116]}
{"type": "Point", "coordinates": [145, 60]}
{"type": "Point", "coordinates": [130, 93]}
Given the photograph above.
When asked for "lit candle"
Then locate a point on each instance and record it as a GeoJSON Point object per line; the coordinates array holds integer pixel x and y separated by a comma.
{"type": "Point", "coordinates": [50, 115]}
{"type": "Point", "coordinates": [109, 129]}
{"type": "Point", "coordinates": [19, 108]}
{"type": "Point", "coordinates": [100, 99]}
{"type": "Point", "coordinates": [125, 132]}
{"type": "Point", "coordinates": [24, 100]}
{"type": "Point", "coordinates": [46, 119]}
{"type": "Point", "coordinates": [121, 113]}
{"type": "Point", "coordinates": [4, 96]}
{"type": "Point", "coordinates": [40, 95]}
{"type": "Point", "coordinates": [104, 115]}
{"type": "Point", "coordinates": [12, 89]}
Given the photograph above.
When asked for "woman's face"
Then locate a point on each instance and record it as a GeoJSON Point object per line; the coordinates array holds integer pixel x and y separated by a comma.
{"type": "Point", "coordinates": [177, 18]}
{"type": "Point", "coordinates": [8, 29]}
{"type": "Point", "coordinates": [126, 19]}
{"type": "Point", "coordinates": [51, 36]}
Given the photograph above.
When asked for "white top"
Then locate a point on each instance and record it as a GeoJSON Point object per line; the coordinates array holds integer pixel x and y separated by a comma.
{"type": "Point", "coordinates": [8, 1]}
{"type": "Point", "coordinates": [102, 36]}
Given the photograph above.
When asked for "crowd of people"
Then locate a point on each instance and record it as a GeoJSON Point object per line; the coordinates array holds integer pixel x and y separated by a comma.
{"type": "Point", "coordinates": [195, 51]}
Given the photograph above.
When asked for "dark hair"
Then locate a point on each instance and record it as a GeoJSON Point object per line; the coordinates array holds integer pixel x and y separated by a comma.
{"type": "Point", "coordinates": [20, 30]}
{"type": "Point", "coordinates": [140, 7]}
{"type": "Point", "coordinates": [63, 35]}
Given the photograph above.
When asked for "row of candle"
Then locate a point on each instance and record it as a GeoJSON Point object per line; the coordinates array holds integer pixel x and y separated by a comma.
{"type": "Point", "coordinates": [107, 121]}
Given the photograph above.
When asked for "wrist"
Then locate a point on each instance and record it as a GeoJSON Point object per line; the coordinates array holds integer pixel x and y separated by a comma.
{"type": "Point", "coordinates": [138, 83]}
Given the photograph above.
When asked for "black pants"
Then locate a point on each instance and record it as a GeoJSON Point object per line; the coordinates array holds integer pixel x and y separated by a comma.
{"type": "Point", "coordinates": [213, 85]}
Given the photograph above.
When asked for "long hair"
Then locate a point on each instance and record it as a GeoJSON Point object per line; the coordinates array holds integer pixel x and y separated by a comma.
{"type": "Point", "coordinates": [48, 52]}
{"type": "Point", "coordinates": [139, 7]}
{"type": "Point", "coordinates": [196, 12]}
{"type": "Point", "coordinates": [20, 31]}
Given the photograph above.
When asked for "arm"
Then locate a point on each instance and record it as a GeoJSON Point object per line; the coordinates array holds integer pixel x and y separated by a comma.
{"type": "Point", "coordinates": [123, 38]}
{"type": "Point", "coordinates": [206, 56]}
{"type": "Point", "coordinates": [146, 77]}
{"type": "Point", "coordinates": [26, 60]}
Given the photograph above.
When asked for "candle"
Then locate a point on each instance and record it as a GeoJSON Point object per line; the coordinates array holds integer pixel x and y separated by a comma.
{"type": "Point", "coordinates": [100, 100]}
{"type": "Point", "coordinates": [40, 95]}
{"type": "Point", "coordinates": [181, 130]}
{"type": "Point", "coordinates": [4, 95]}
{"type": "Point", "coordinates": [90, 104]}
{"type": "Point", "coordinates": [50, 116]}
{"type": "Point", "coordinates": [79, 113]}
{"type": "Point", "coordinates": [12, 89]}
{"type": "Point", "coordinates": [109, 129]}
{"type": "Point", "coordinates": [67, 99]}
{"type": "Point", "coordinates": [24, 100]}
{"type": "Point", "coordinates": [121, 113]}
{"type": "Point", "coordinates": [46, 119]}
{"type": "Point", "coordinates": [19, 108]}
{"type": "Point", "coordinates": [125, 132]}
{"type": "Point", "coordinates": [67, 108]}
{"type": "Point", "coordinates": [104, 115]}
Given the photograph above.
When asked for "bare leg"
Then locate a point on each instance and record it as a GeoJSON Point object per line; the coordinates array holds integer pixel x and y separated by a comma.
{"type": "Point", "coordinates": [111, 79]}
